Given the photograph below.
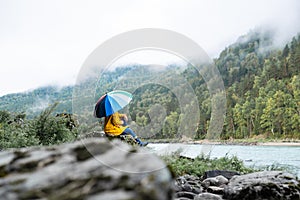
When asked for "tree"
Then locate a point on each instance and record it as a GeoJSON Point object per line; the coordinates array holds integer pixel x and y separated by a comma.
{"type": "Point", "coordinates": [295, 115]}
{"type": "Point", "coordinates": [267, 117]}
{"type": "Point", "coordinates": [285, 60]}
{"type": "Point", "coordinates": [4, 116]}
{"type": "Point", "coordinates": [170, 126]}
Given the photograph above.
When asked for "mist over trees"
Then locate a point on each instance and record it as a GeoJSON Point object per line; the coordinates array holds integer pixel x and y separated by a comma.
{"type": "Point", "coordinates": [262, 95]}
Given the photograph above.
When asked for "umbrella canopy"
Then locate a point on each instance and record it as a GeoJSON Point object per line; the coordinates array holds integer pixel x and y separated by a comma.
{"type": "Point", "coordinates": [111, 102]}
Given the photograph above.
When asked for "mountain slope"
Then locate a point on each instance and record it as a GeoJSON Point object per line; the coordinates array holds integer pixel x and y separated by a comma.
{"type": "Point", "coordinates": [262, 86]}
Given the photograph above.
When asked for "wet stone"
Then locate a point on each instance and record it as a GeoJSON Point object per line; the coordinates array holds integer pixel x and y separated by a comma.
{"type": "Point", "coordinates": [187, 187]}
{"type": "Point", "coordinates": [215, 190]}
{"type": "Point", "coordinates": [208, 196]}
{"type": "Point", "coordinates": [185, 194]}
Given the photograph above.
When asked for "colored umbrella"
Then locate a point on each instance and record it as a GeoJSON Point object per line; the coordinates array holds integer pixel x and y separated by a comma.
{"type": "Point", "coordinates": [111, 102]}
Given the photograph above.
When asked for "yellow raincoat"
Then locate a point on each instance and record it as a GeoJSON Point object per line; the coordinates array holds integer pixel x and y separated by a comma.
{"type": "Point", "coordinates": [113, 124]}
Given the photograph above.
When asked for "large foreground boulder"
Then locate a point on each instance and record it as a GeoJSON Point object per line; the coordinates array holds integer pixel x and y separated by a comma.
{"type": "Point", "coordinates": [89, 169]}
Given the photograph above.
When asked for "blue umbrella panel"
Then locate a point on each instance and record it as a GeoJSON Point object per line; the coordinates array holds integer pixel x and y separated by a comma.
{"type": "Point", "coordinates": [111, 103]}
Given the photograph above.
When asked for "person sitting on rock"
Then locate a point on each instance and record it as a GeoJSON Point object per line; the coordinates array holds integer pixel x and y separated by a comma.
{"type": "Point", "coordinates": [116, 124]}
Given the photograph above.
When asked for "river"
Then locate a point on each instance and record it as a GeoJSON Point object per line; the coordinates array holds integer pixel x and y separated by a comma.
{"type": "Point", "coordinates": [252, 156]}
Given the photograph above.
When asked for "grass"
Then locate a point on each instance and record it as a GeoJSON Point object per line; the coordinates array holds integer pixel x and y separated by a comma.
{"type": "Point", "coordinates": [181, 165]}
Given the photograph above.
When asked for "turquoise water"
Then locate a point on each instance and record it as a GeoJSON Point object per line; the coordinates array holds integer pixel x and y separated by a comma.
{"type": "Point", "coordinates": [254, 156]}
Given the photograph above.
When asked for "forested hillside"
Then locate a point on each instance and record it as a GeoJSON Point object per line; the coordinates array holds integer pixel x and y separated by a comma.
{"type": "Point", "coordinates": [262, 91]}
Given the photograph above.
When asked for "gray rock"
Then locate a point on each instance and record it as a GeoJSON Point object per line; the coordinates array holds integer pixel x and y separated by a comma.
{"type": "Point", "coordinates": [89, 169]}
{"type": "Point", "coordinates": [225, 173]}
{"type": "Point", "coordinates": [215, 190]}
{"type": "Point", "coordinates": [188, 183]}
{"type": "Point", "coordinates": [221, 180]}
{"type": "Point", "coordinates": [209, 182]}
{"type": "Point", "coordinates": [215, 181]}
{"type": "Point", "coordinates": [207, 196]}
{"type": "Point", "coordinates": [187, 187]}
{"type": "Point", "coordinates": [263, 185]}
{"type": "Point", "coordinates": [197, 189]}
{"type": "Point", "coordinates": [185, 194]}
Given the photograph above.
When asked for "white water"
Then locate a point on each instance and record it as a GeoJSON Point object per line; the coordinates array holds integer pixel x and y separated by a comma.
{"type": "Point", "coordinates": [253, 156]}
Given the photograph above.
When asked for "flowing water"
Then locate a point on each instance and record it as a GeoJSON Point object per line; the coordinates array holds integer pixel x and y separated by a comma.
{"type": "Point", "coordinates": [253, 156]}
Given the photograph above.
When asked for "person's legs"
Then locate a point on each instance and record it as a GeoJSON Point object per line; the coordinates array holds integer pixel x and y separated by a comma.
{"type": "Point", "coordinates": [129, 131]}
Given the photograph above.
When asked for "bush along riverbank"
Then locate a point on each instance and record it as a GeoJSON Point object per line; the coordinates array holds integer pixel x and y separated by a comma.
{"type": "Point", "coordinates": [198, 166]}
{"type": "Point", "coordinates": [227, 178]}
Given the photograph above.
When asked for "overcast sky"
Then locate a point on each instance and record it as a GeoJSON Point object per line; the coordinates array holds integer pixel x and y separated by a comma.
{"type": "Point", "coordinates": [46, 41]}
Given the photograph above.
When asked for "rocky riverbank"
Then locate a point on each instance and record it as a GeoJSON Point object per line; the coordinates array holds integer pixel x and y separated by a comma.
{"type": "Point", "coordinates": [219, 185]}
{"type": "Point", "coordinates": [96, 168]}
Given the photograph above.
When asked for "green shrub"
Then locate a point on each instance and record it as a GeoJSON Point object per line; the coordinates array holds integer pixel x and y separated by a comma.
{"type": "Point", "coordinates": [197, 166]}
{"type": "Point", "coordinates": [16, 131]}
{"type": "Point", "coordinates": [52, 130]}
{"type": "Point", "coordinates": [16, 137]}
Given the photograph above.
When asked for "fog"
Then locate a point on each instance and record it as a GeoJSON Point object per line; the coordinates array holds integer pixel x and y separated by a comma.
{"type": "Point", "coordinates": [47, 42]}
